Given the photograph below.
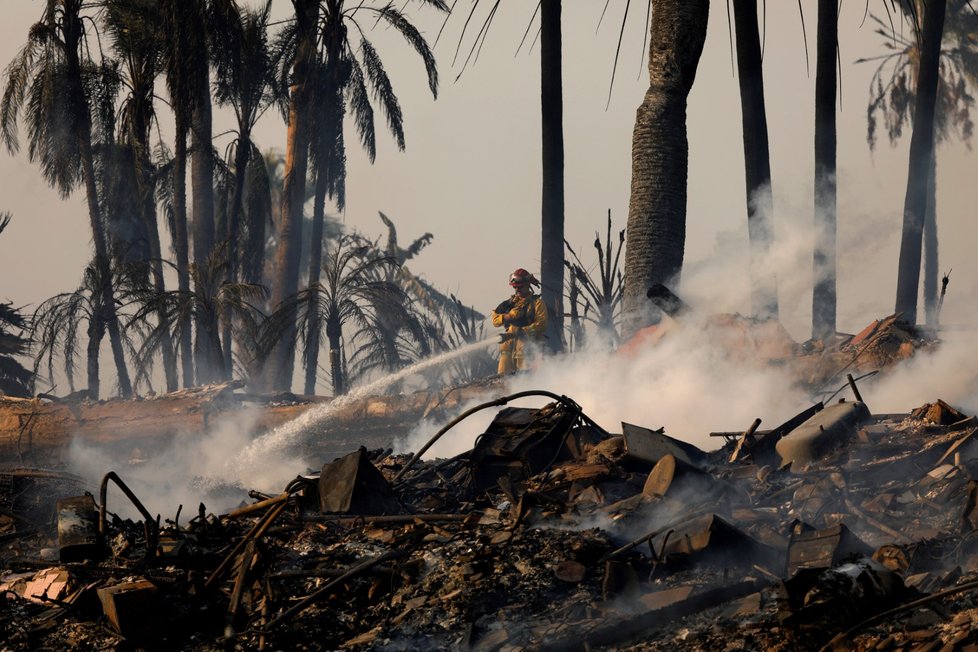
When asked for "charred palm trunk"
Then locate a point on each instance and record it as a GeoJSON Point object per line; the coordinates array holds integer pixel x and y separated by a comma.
{"type": "Point", "coordinates": [552, 131]}
{"type": "Point", "coordinates": [333, 335]}
{"type": "Point", "coordinates": [96, 331]}
{"type": "Point", "coordinates": [159, 287]}
{"type": "Point", "coordinates": [314, 332]}
{"type": "Point", "coordinates": [282, 358]}
{"type": "Point", "coordinates": [824, 289]}
{"type": "Point", "coordinates": [921, 151]}
{"type": "Point", "coordinates": [930, 245]}
{"type": "Point", "coordinates": [242, 154]}
{"type": "Point", "coordinates": [151, 223]}
{"type": "Point", "coordinates": [83, 132]}
{"type": "Point", "coordinates": [330, 181]}
{"type": "Point", "coordinates": [252, 253]}
{"type": "Point", "coordinates": [181, 245]}
{"type": "Point", "coordinates": [210, 366]}
{"type": "Point", "coordinates": [757, 160]}
{"type": "Point", "coordinates": [656, 228]}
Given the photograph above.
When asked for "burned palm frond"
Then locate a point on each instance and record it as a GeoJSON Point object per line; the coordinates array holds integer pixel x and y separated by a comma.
{"type": "Point", "coordinates": [350, 294]}
{"type": "Point", "coordinates": [601, 295]}
{"type": "Point", "coordinates": [893, 84]}
{"type": "Point", "coordinates": [15, 379]}
{"type": "Point", "coordinates": [58, 322]}
{"type": "Point", "coordinates": [212, 298]}
{"type": "Point", "coordinates": [430, 318]}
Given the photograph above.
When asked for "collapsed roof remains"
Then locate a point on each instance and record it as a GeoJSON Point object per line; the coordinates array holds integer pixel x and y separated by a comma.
{"type": "Point", "coordinates": [838, 529]}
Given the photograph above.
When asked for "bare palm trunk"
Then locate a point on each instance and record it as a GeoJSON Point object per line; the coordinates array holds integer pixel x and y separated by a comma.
{"type": "Point", "coordinates": [286, 282]}
{"type": "Point", "coordinates": [251, 263]}
{"type": "Point", "coordinates": [315, 268]}
{"type": "Point", "coordinates": [210, 366]}
{"type": "Point", "coordinates": [181, 243]}
{"type": "Point", "coordinates": [921, 151]}
{"type": "Point", "coordinates": [96, 331]}
{"type": "Point", "coordinates": [72, 36]}
{"type": "Point", "coordinates": [757, 161]}
{"type": "Point", "coordinates": [242, 154]}
{"type": "Point", "coordinates": [824, 259]}
{"type": "Point", "coordinates": [151, 224]}
{"type": "Point", "coordinates": [931, 246]}
{"type": "Point", "coordinates": [335, 359]}
{"type": "Point", "coordinates": [331, 156]}
{"type": "Point", "coordinates": [656, 228]}
{"type": "Point", "coordinates": [552, 130]}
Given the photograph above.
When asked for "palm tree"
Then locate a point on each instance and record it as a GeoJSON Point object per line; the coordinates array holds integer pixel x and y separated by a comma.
{"type": "Point", "coordinates": [824, 290]}
{"type": "Point", "coordinates": [341, 79]}
{"type": "Point", "coordinates": [278, 372]}
{"type": "Point", "coordinates": [178, 53]}
{"type": "Point", "coordinates": [921, 153]}
{"type": "Point", "coordinates": [51, 79]}
{"type": "Point", "coordinates": [213, 300]}
{"type": "Point", "coordinates": [132, 26]}
{"type": "Point", "coordinates": [757, 160]}
{"type": "Point", "coordinates": [552, 148]}
{"type": "Point", "coordinates": [340, 74]}
{"type": "Point", "coordinates": [59, 321]}
{"type": "Point", "coordinates": [209, 359]}
{"type": "Point", "coordinates": [408, 332]}
{"type": "Point", "coordinates": [349, 294]}
{"type": "Point", "coordinates": [656, 229]}
{"type": "Point", "coordinates": [244, 80]}
{"type": "Point", "coordinates": [893, 102]}
{"type": "Point", "coordinates": [15, 380]}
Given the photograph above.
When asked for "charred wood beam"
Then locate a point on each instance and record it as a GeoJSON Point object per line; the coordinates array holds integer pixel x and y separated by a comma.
{"type": "Point", "coordinates": [256, 532]}
{"type": "Point", "coordinates": [391, 519]}
{"type": "Point", "coordinates": [352, 572]}
{"type": "Point", "coordinates": [664, 299]}
{"type": "Point", "coordinates": [239, 584]}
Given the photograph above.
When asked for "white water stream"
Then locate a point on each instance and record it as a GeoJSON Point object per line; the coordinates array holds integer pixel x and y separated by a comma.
{"type": "Point", "coordinates": [259, 453]}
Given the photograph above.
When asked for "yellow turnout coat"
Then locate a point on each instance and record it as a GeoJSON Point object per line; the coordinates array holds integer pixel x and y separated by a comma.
{"type": "Point", "coordinates": [525, 320]}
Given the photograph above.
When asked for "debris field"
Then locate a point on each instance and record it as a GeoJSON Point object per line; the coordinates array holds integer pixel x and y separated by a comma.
{"type": "Point", "coordinates": [840, 529]}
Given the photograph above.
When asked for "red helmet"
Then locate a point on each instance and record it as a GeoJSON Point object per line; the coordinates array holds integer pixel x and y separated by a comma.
{"type": "Point", "coordinates": [522, 277]}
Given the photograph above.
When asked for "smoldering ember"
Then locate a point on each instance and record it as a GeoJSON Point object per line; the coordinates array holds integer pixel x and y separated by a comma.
{"type": "Point", "coordinates": [840, 528]}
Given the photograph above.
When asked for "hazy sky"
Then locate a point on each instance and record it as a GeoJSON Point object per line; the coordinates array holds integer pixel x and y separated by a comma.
{"type": "Point", "coordinates": [471, 172]}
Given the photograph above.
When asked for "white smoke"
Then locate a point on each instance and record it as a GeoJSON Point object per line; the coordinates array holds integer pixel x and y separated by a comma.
{"type": "Point", "coordinates": [688, 382]}
{"type": "Point", "coordinates": [191, 468]}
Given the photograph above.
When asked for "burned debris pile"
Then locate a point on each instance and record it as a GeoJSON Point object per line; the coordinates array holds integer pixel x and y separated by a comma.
{"type": "Point", "coordinates": [839, 529]}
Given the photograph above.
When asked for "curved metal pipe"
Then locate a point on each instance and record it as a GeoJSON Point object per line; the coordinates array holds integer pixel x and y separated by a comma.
{"type": "Point", "coordinates": [152, 531]}
{"type": "Point", "coordinates": [574, 407]}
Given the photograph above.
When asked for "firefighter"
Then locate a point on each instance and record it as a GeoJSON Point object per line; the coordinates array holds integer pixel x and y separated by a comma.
{"type": "Point", "coordinates": [524, 316]}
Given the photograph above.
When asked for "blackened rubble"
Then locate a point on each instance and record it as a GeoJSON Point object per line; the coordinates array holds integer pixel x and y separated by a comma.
{"type": "Point", "coordinates": [840, 529]}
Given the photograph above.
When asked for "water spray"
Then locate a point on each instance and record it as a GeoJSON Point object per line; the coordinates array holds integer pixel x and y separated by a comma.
{"type": "Point", "coordinates": [285, 434]}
